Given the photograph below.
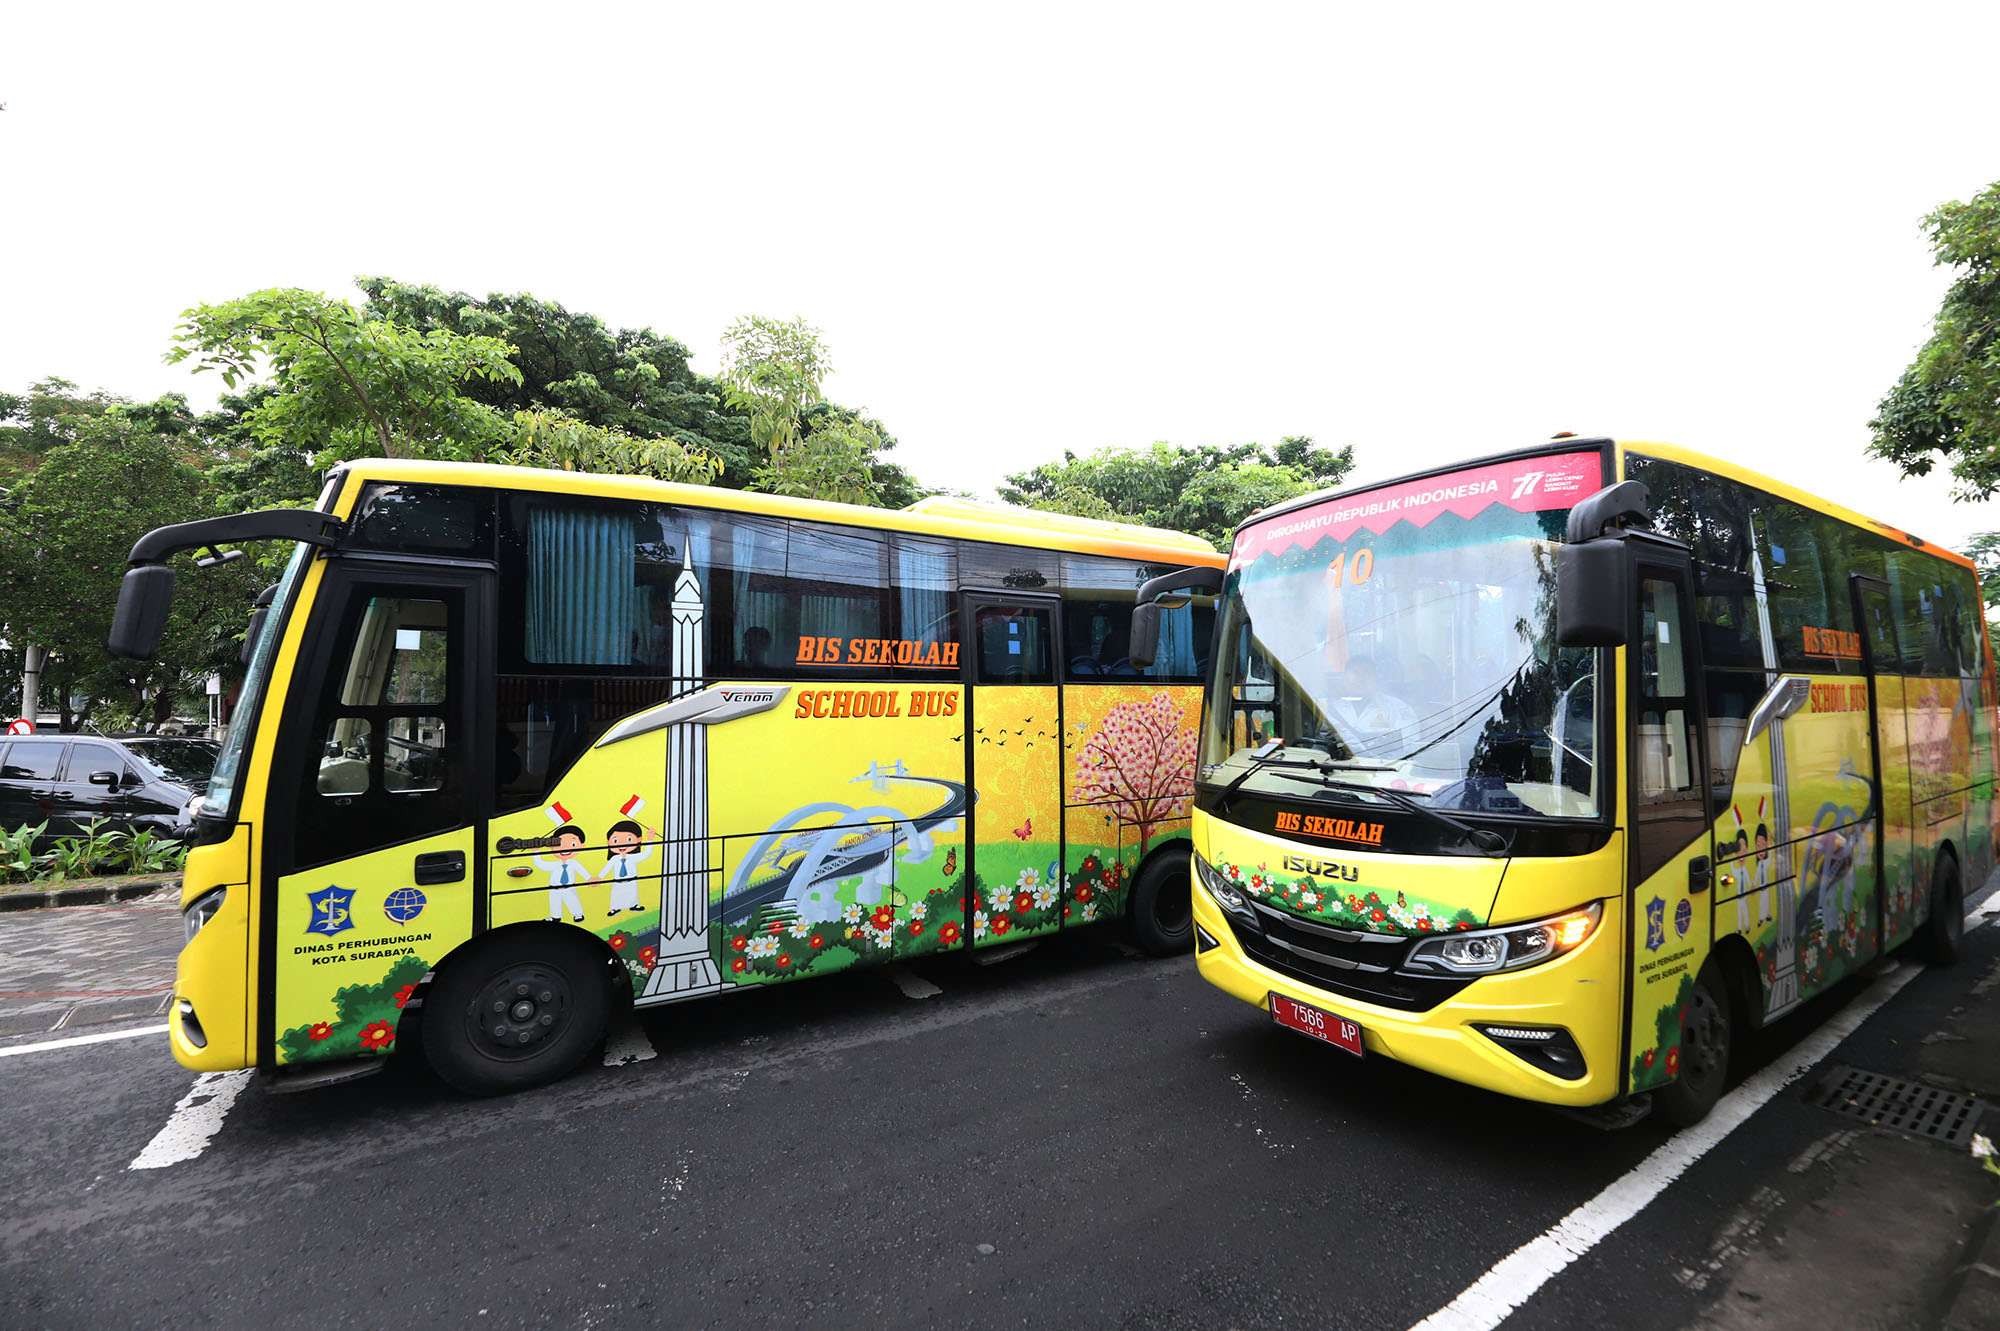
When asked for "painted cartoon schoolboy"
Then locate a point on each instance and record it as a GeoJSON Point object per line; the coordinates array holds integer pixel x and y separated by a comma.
{"type": "Point", "coordinates": [1741, 881]}
{"type": "Point", "coordinates": [565, 872]}
{"type": "Point", "coordinates": [621, 869]}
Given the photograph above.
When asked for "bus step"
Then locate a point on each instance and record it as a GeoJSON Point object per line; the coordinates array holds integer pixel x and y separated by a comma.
{"type": "Point", "coordinates": [1005, 952]}
{"type": "Point", "coordinates": [1614, 1117]}
{"type": "Point", "coordinates": [284, 1081]}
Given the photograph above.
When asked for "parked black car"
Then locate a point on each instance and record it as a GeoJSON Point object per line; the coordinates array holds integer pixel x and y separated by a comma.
{"type": "Point", "coordinates": [68, 780]}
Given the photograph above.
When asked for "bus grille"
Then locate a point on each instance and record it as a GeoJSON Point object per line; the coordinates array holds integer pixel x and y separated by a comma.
{"type": "Point", "coordinates": [1358, 965]}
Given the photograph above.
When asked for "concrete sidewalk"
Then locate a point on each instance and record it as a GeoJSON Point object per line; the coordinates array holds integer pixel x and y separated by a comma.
{"type": "Point", "coordinates": [1871, 1226]}
{"type": "Point", "coordinates": [64, 972]}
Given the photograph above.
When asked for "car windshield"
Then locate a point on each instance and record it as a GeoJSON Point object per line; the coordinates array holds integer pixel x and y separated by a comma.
{"type": "Point", "coordinates": [1406, 637]}
{"type": "Point", "coordinates": [187, 761]}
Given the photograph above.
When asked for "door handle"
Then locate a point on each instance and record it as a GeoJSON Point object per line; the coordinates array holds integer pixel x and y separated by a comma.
{"type": "Point", "coordinates": [1701, 873]}
{"type": "Point", "coordinates": [440, 866]}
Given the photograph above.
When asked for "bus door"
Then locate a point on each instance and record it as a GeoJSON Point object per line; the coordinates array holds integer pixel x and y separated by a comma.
{"type": "Point", "coordinates": [1672, 858]}
{"type": "Point", "coordinates": [1888, 737]}
{"type": "Point", "coordinates": [1013, 754]}
{"type": "Point", "coordinates": [371, 820]}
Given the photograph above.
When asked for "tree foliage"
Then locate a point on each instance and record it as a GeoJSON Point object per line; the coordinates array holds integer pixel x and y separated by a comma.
{"type": "Point", "coordinates": [124, 469]}
{"type": "Point", "coordinates": [559, 441]}
{"type": "Point", "coordinates": [1204, 489]}
{"type": "Point", "coordinates": [1946, 405]}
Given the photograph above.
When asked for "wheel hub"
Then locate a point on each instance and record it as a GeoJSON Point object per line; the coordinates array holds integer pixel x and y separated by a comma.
{"type": "Point", "coordinates": [518, 1011]}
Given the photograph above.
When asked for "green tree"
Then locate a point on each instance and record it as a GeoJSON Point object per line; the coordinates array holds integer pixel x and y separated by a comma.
{"type": "Point", "coordinates": [345, 385]}
{"type": "Point", "coordinates": [556, 440]}
{"type": "Point", "coordinates": [128, 467]}
{"type": "Point", "coordinates": [772, 369]}
{"type": "Point", "coordinates": [1203, 489]}
{"type": "Point", "coordinates": [1946, 405]}
{"type": "Point", "coordinates": [49, 414]}
{"type": "Point", "coordinates": [835, 461]}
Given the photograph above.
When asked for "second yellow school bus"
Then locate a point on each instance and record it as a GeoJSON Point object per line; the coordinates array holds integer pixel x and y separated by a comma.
{"type": "Point", "coordinates": [515, 744]}
{"type": "Point", "coordinates": [1555, 771]}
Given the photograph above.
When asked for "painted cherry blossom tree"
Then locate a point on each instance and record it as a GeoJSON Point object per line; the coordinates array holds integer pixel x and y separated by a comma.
{"type": "Point", "coordinates": [1139, 766]}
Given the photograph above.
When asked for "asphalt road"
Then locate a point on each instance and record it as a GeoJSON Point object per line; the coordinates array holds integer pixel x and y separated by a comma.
{"type": "Point", "coordinates": [1073, 1137]}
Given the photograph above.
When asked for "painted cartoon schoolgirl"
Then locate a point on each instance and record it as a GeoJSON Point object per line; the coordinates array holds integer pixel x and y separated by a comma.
{"type": "Point", "coordinates": [1764, 885]}
{"type": "Point", "coordinates": [1740, 881]}
{"type": "Point", "coordinates": [565, 872]}
{"type": "Point", "coordinates": [621, 869]}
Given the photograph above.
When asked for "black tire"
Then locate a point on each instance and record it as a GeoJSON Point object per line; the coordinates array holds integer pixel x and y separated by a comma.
{"type": "Point", "coordinates": [1163, 905]}
{"type": "Point", "coordinates": [520, 1010]}
{"type": "Point", "coordinates": [1708, 1028]}
{"type": "Point", "coordinates": [1942, 939]}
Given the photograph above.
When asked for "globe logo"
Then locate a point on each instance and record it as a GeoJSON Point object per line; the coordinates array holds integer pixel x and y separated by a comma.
{"type": "Point", "coordinates": [404, 905]}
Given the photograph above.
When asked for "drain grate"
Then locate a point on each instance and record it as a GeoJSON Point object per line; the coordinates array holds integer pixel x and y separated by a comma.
{"type": "Point", "coordinates": [1899, 1105]}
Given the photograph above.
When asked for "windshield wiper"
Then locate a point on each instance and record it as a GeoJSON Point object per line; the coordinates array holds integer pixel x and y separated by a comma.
{"type": "Point", "coordinates": [1263, 756]}
{"type": "Point", "coordinates": [1486, 840]}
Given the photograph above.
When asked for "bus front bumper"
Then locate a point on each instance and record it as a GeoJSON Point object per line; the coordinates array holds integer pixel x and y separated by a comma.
{"type": "Point", "coordinates": [1578, 993]}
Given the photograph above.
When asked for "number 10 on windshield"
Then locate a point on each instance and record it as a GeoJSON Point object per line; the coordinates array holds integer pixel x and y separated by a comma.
{"type": "Point", "coordinates": [1355, 571]}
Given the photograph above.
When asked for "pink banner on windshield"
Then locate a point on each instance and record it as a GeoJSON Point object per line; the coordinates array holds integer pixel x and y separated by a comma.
{"type": "Point", "coordinates": [1526, 485]}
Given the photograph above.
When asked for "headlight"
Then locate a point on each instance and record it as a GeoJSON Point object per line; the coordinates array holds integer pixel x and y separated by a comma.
{"type": "Point", "coordinates": [1226, 893]}
{"type": "Point", "coordinates": [1485, 951]}
{"type": "Point", "coordinates": [200, 911]}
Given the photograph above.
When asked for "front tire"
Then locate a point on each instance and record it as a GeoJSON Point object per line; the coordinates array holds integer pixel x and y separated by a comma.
{"type": "Point", "coordinates": [1707, 1028]}
{"type": "Point", "coordinates": [1943, 936]}
{"type": "Point", "coordinates": [518, 1011]}
{"type": "Point", "coordinates": [1163, 905]}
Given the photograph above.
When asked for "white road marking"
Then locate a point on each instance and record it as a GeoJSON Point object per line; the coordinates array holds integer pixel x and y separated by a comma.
{"type": "Point", "coordinates": [912, 984]}
{"type": "Point", "coordinates": [99, 1038]}
{"type": "Point", "coordinates": [197, 1117]}
{"type": "Point", "coordinates": [628, 1044]}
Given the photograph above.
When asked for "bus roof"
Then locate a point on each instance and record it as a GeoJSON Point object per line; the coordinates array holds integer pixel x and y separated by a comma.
{"type": "Point", "coordinates": [1771, 485]}
{"type": "Point", "coordinates": [939, 515]}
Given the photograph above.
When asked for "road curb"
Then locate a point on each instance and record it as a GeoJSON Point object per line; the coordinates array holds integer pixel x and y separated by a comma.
{"type": "Point", "coordinates": [81, 896]}
{"type": "Point", "coordinates": [1974, 1303]}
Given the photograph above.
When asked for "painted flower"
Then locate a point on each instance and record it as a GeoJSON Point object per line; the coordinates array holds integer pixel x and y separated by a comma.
{"type": "Point", "coordinates": [775, 927]}
{"type": "Point", "coordinates": [1372, 899]}
{"type": "Point", "coordinates": [1463, 925]}
{"type": "Point", "coordinates": [1089, 864]}
{"type": "Point", "coordinates": [738, 942]}
{"type": "Point", "coordinates": [816, 942]}
{"type": "Point", "coordinates": [647, 957]}
{"type": "Point", "coordinates": [1257, 881]}
{"type": "Point", "coordinates": [1423, 924]}
{"type": "Point", "coordinates": [1083, 892]}
{"type": "Point", "coordinates": [853, 914]}
{"type": "Point", "coordinates": [377, 1035]}
{"type": "Point", "coordinates": [1354, 904]}
{"type": "Point", "coordinates": [1646, 1059]}
{"type": "Point", "coordinates": [916, 927]}
{"type": "Point", "coordinates": [1674, 1061]}
{"type": "Point", "coordinates": [1090, 910]}
{"type": "Point", "coordinates": [1235, 872]}
{"type": "Point", "coordinates": [405, 994]}
{"type": "Point", "coordinates": [1001, 924]}
{"type": "Point", "coordinates": [1309, 899]}
{"type": "Point", "coordinates": [979, 924]}
{"type": "Point", "coordinates": [799, 929]}
{"type": "Point", "coordinates": [1378, 915]}
{"type": "Point", "coordinates": [948, 932]}
{"type": "Point", "coordinates": [319, 1030]}
{"type": "Point", "coordinates": [1027, 879]}
{"type": "Point", "coordinates": [784, 960]}
{"type": "Point", "coordinates": [1045, 896]}
{"type": "Point", "coordinates": [1023, 902]}
{"type": "Point", "coordinates": [762, 946]}
{"type": "Point", "coordinates": [883, 917]}
{"type": "Point", "coordinates": [738, 964]}
{"type": "Point", "coordinates": [917, 910]}
{"type": "Point", "coordinates": [1982, 1146]}
{"type": "Point", "coordinates": [1065, 912]}
{"type": "Point", "coordinates": [618, 941]}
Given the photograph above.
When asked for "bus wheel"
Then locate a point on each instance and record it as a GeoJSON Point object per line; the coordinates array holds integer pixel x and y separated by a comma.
{"type": "Point", "coordinates": [1163, 906]}
{"type": "Point", "coordinates": [519, 1011]}
{"type": "Point", "coordinates": [1705, 1039]}
{"type": "Point", "coordinates": [1943, 937]}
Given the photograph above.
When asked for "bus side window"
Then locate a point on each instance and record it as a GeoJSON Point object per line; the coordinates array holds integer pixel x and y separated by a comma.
{"type": "Point", "coordinates": [1666, 739]}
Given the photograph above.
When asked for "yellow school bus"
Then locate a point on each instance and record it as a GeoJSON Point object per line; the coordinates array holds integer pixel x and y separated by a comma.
{"type": "Point", "coordinates": [1555, 771]}
{"type": "Point", "coordinates": [516, 745]}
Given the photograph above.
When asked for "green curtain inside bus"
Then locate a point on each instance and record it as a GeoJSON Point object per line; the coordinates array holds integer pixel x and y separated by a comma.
{"type": "Point", "coordinates": [924, 579]}
{"type": "Point", "coordinates": [1174, 657]}
{"type": "Point", "coordinates": [584, 607]}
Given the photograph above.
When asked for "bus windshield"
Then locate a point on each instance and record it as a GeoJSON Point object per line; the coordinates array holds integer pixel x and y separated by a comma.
{"type": "Point", "coordinates": [222, 780]}
{"type": "Point", "coordinates": [1406, 636]}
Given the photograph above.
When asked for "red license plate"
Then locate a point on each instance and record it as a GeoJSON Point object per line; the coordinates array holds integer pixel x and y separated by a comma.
{"type": "Point", "coordinates": [1320, 1025]}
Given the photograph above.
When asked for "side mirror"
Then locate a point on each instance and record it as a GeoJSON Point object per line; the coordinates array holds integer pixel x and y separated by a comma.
{"type": "Point", "coordinates": [1593, 598]}
{"type": "Point", "coordinates": [254, 631]}
{"type": "Point", "coordinates": [144, 597]}
{"type": "Point", "coordinates": [1143, 643]}
{"type": "Point", "coordinates": [104, 779]}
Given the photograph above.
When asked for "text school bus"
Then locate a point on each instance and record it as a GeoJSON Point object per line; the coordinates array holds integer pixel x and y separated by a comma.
{"type": "Point", "coordinates": [513, 743]}
{"type": "Point", "coordinates": [1554, 771]}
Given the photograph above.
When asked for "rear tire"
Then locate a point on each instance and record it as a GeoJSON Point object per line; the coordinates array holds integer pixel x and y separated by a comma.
{"type": "Point", "coordinates": [1163, 905]}
{"type": "Point", "coordinates": [1707, 1028]}
{"type": "Point", "coordinates": [1942, 939]}
{"type": "Point", "coordinates": [518, 1011]}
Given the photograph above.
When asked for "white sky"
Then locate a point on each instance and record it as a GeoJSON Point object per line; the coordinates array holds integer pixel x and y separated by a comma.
{"type": "Point", "coordinates": [1429, 231]}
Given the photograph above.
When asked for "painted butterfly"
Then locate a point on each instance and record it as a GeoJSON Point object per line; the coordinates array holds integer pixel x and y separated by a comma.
{"type": "Point", "coordinates": [1025, 830]}
{"type": "Point", "coordinates": [951, 862]}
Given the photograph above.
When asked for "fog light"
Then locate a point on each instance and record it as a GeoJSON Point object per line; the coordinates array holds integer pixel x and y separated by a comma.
{"type": "Point", "coordinates": [1550, 1048]}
